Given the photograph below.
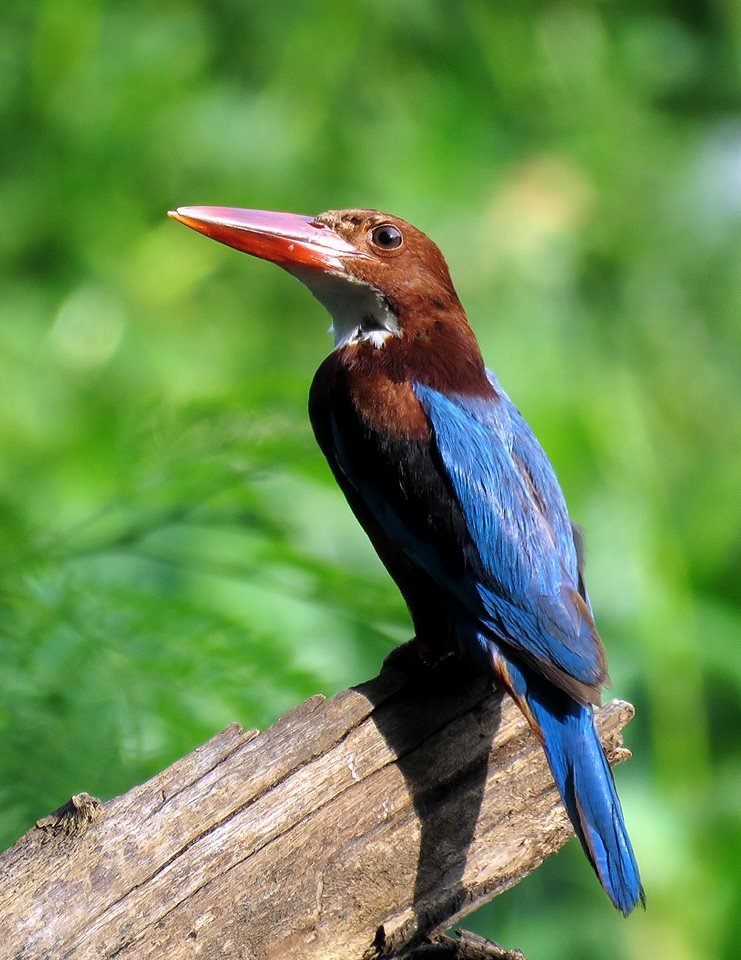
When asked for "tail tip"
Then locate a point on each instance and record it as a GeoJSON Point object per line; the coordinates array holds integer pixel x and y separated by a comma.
{"type": "Point", "coordinates": [629, 900]}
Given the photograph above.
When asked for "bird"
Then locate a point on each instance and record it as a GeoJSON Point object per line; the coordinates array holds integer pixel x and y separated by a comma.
{"type": "Point", "coordinates": [456, 494]}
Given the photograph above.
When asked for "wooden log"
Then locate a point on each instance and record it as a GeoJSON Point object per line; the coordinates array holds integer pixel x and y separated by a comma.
{"type": "Point", "coordinates": [352, 828]}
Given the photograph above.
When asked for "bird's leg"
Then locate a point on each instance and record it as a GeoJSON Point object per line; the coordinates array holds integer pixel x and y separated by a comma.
{"type": "Point", "coordinates": [424, 664]}
{"type": "Point", "coordinates": [415, 654]}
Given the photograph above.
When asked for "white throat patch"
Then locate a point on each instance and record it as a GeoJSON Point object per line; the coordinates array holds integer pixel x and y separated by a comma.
{"type": "Point", "coordinates": [359, 312]}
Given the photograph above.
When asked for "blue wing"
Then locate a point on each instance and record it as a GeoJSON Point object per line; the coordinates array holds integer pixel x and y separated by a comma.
{"type": "Point", "coordinates": [521, 541]}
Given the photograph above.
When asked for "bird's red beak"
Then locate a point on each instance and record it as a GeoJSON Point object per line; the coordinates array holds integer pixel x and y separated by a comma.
{"type": "Point", "coordinates": [287, 239]}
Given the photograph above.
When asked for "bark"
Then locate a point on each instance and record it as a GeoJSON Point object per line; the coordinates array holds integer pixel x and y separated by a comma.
{"type": "Point", "coordinates": [356, 827]}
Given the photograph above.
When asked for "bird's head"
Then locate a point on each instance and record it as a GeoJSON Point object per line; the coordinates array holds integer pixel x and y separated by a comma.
{"type": "Point", "coordinates": [377, 275]}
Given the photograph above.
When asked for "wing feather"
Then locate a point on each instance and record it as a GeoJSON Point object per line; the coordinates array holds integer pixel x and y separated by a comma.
{"type": "Point", "coordinates": [519, 527]}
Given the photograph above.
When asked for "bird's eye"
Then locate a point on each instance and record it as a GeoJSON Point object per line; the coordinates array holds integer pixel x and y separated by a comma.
{"type": "Point", "coordinates": [387, 237]}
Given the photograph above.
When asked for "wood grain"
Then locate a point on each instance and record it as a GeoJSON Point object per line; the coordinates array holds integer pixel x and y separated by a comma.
{"type": "Point", "coordinates": [352, 828]}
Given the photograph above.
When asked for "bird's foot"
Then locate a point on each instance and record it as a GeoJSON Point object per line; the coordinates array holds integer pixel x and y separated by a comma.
{"type": "Point", "coordinates": [424, 666]}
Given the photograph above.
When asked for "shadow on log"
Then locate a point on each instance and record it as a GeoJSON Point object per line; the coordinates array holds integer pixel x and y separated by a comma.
{"type": "Point", "coordinates": [353, 828]}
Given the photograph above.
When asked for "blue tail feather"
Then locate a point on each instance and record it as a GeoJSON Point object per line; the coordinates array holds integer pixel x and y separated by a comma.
{"type": "Point", "coordinates": [583, 777]}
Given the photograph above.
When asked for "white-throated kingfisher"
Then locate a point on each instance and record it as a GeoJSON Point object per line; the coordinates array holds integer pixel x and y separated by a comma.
{"type": "Point", "coordinates": [449, 482]}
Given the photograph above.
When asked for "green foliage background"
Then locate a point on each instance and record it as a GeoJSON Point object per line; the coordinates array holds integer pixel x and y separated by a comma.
{"type": "Point", "coordinates": [174, 554]}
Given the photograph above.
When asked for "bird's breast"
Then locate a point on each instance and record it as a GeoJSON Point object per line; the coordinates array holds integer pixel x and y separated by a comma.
{"type": "Point", "coordinates": [388, 406]}
{"type": "Point", "coordinates": [382, 401]}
